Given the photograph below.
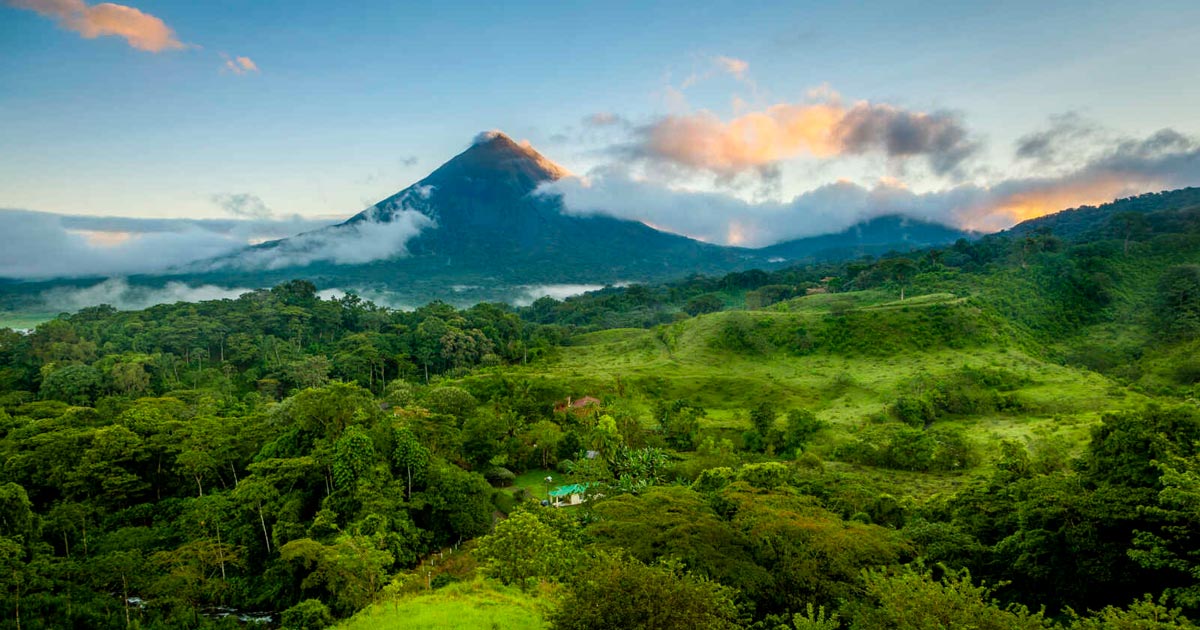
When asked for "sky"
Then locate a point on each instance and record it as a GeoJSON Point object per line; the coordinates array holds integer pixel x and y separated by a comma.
{"type": "Point", "coordinates": [734, 122]}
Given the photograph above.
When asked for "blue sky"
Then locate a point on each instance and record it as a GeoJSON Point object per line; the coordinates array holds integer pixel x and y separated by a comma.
{"type": "Point", "coordinates": [347, 103]}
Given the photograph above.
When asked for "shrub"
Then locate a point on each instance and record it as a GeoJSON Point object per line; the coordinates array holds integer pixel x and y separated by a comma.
{"type": "Point", "coordinates": [310, 614]}
{"type": "Point", "coordinates": [500, 476]}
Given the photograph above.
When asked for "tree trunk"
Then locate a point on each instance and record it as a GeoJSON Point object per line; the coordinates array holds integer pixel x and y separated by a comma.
{"type": "Point", "coordinates": [220, 551]}
{"type": "Point", "coordinates": [125, 597]}
{"type": "Point", "coordinates": [18, 599]}
{"type": "Point", "coordinates": [263, 522]}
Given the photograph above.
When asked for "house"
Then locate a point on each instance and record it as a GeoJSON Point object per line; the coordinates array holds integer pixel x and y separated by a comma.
{"type": "Point", "coordinates": [586, 401]}
{"type": "Point", "coordinates": [568, 495]}
{"type": "Point", "coordinates": [580, 405]}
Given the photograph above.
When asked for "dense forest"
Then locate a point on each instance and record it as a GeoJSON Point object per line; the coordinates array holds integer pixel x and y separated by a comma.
{"type": "Point", "coordinates": [1003, 433]}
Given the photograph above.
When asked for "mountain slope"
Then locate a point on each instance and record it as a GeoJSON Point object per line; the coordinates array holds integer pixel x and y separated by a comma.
{"type": "Point", "coordinates": [1078, 222]}
{"type": "Point", "coordinates": [478, 218]}
{"type": "Point", "coordinates": [873, 237]}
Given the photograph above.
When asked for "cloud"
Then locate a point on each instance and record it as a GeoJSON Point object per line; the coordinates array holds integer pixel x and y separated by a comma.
{"type": "Point", "coordinates": [37, 245]}
{"type": "Point", "coordinates": [1166, 159]}
{"type": "Point", "coordinates": [238, 65]}
{"type": "Point", "coordinates": [244, 205]}
{"type": "Point", "coordinates": [528, 294]}
{"type": "Point", "coordinates": [379, 234]}
{"type": "Point", "coordinates": [484, 137]}
{"type": "Point", "coordinates": [1066, 135]}
{"type": "Point", "coordinates": [117, 292]}
{"type": "Point", "coordinates": [343, 244]}
{"type": "Point", "coordinates": [603, 119]}
{"type": "Point", "coordinates": [716, 65]}
{"type": "Point", "coordinates": [735, 67]}
{"type": "Point", "coordinates": [939, 136]}
{"type": "Point", "coordinates": [140, 30]}
{"type": "Point", "coordinates": [759, 140]}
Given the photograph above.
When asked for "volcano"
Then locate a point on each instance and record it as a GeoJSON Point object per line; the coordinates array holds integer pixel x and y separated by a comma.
{"type": "Point", "coordinates": [477, 220]}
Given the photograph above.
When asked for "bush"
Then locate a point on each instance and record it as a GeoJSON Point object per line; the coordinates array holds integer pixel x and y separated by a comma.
{"type": "Point", "coordinates": [500, 476]}
{"type": "Point", "coordinates": [915, 411]}
{"type": "Point", "coordinates": [617, 592]}
{"type": "Point", "coordinates": [310, 614]}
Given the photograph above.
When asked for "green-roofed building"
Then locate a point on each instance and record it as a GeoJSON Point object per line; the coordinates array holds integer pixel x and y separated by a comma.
{"type": "Point", "coordinates": [572, 494]}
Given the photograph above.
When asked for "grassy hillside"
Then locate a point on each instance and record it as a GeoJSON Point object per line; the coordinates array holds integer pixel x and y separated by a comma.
{"type": "Point", "coordinates": [477, 605]}
{"type": "Point", "coordinates": [846, 357]}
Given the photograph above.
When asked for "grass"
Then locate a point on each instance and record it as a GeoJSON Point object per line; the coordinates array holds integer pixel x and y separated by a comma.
{"type": "Point", "coordinates": [534, 482]}
{"type": "Point", "coordinates": [475, 605]}
{"type": "Point", "coordinates": [848, 390]}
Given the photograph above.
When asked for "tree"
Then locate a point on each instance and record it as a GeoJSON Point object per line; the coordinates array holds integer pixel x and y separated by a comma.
{"type": "Point", "coordinates": [74, 384]}
{"type": "Point", "coordinates": [620, 592]}
{"type": "Point", "coordinates": [452, 401]}
{"type": "Point", "coordinates": [460, 502]}
{"type": "Point", "coordinates": [802, 424]}
{"type": "Point", "coordinates": [522, 550]}
{"type": "Point", "coordinates": [130, 377]}
{"type": "Point", "coordinates": [900, 271]}
{"type": "Point", "coordinates": [544, 437]}
{"type": "Point", "coordinates": [1128, 226]}
{"type": "Point", "coordinates": [353, 456]}
{"type": "Point", "coordinates": [410, 457]}
{"type": "Point", "coordinates": [912, 599]}
{"type": "Point", "coordinates": [1177, 306]}
{"type": "Point", "coordinates": [350, 571]}
{"type": "Point", "coordinates": [701, 304]}
{"type": "Point", "coordinates": [762, 417]}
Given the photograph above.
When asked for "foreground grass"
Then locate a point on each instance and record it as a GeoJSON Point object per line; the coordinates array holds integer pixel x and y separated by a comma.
{"type": "Point", "coordinates": [472, 605]}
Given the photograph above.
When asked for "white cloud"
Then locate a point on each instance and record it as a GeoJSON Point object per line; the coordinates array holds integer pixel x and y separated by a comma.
{"type": "Point", "coordinates": [343, 244]}
{"type": "Point", "coordinates": [37, 245]}
{"type": "Point", "coordinates": [117, 292]}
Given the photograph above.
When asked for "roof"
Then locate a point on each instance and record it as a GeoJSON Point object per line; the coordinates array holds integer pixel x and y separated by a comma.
{"type": "Point", "coordinates": [568, 490]}
{"type": "Point", "coordinates": [586, 401]}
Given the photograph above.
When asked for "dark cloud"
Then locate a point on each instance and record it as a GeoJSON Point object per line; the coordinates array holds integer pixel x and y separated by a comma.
{"type": "Point", "coordinates": [243, 205]}
{"type": "Point", "coordinates": [1063, 136]}
{"type": "Point", "coordinates": [941, 136]}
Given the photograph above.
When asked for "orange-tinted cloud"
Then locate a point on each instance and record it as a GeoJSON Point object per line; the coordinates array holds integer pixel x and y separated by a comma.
{"type": "Point", "coordinates": [704, 141]}
{"type": "Point", "coordinates": [239, 65]}
{"type": "Point", "coordinates": [140, 30]}
{"type": "Point", "coordinates": [701, 140]}
{"type": "Point", "coordinates": [732, 65]}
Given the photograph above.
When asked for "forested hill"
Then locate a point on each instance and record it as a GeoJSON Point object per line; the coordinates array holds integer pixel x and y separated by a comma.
{"type": "Point", "coordinates": [957, 437]}
{"type": "Point", "coordinates": [1130, 214]}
